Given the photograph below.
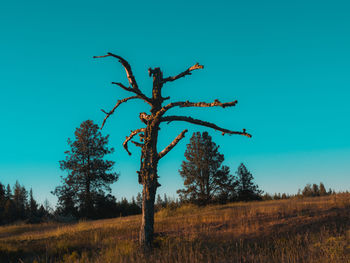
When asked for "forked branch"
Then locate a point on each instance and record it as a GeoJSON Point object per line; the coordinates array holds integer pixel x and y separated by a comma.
{"type": "Point", "coordinates": [136, 91]}
{"type": "Point", "coordinates": [131, 78]}
{"type": "Point", "coordinates": [203, 123]}
{"type": "Point", "coordinates": [127, 67]}
{"type": "Point", "coordinates": [114, 108]}
{"type": "Point", "coordinates": [128, 138]}
{"type": "Point", "coordinates": [183, 74]}
{"type": "Point", "coordinates": [172, 144]}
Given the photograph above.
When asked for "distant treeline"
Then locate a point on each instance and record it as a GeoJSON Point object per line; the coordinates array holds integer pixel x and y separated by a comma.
{"type": "Point", "coordinates": [17, 204]}
{"type": "Point", "coordinates": [85, 192]}
{"type": "Point", "coordinates": [309, 190]}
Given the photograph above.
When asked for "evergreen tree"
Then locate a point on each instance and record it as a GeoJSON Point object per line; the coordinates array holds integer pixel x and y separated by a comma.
{"type": "Point", "coordinates": [106, 206]}
{"type": "Point", "coordinates": [159, 203]}
{"type": "Point", "coordinates": [165, 200]}
{"type": "Point", "coordinates": [67, 201]}
{"type": "Point", "coordinates": [204, 176]}
{"type": "Point", "coordinates": [89, 175]}
{"type": "Point", "coordinates": [315, 190]}
{"type": "Point", "coordinates": [2, 203]}
{"type": "Point", "coordinates": [8, 193]}
{"type": "Point", "coordinates": [20, 196]}
{"type": "Point", "coordinates": [247, 190]}
{"type": "Point", "coordinates": [42, 213]}
{"type": "Point", "coordinates": [47, 207]}
{"type": "Point", "coordinates": [33, 205]}
{"type": "Point", "coordinates": [307, 191]}
{"type": "Point", "coordinates": [10, 213]}
{"type": "Point", "coordinates": [323, 190]}
{"type": "Point", "coordinates": [139, 200]}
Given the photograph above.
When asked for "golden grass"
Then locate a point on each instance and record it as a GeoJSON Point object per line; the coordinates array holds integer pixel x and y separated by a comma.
{"type": "Point", "coordinates": [293, 230]}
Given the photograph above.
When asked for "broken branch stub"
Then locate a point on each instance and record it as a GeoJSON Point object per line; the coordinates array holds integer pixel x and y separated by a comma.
{"type": "Point", "coordinates": [128, 138]}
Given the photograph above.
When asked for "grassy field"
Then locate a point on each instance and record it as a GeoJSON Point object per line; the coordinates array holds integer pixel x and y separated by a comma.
{"type": "Point", "coordinates": [299, 230]}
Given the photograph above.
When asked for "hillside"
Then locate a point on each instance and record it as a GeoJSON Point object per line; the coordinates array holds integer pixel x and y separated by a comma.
{"type": "Point", "coordinates": [299, 230]}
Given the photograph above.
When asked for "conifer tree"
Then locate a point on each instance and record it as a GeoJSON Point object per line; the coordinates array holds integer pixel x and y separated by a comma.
{"type": "Point", "coordinates": [89, 174]}
{"type": "Point", "coordinates": [247, 190]}
{"type": "Point", "coordinates": [204, 176]}
{"type": "Point", "coordinates": [33, 205]}
{"type": "Point", "coordinates": [139, 200]}
{"type": "Point", "coordinates": [20, 196]}
{"type": "Point", "coordinates": [8, 192]}
{"type": "Point", "coordinates": [2, 202]}
{"type": "Point", "coordinates": [315, 190]}
{"type": "Point", "coordinates": [323, 190]}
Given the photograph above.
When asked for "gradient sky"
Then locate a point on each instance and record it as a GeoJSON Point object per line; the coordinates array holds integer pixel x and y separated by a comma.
{"type": "Point", "coordinates": [287, 64]}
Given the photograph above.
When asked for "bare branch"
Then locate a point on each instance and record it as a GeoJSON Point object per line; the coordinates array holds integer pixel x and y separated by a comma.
{"type": "Point", "coordinates": [172, 144]}
{"type": "Point", "coordinates": [137, 144]}
{"type": "Point", "coordinates": [203, 123]}
{"type": "Point", "coordinates": [183, 74]}
{"type": "Point", "coordinates": [127, 67]}
{"type": "Point", "coordinates": [123, 87]}
{"type": "Point", "coordinates": [183, 104]}
{"type": "Point", "coordinates": [128, 138]}
{"type": "Point", "coordinates": [114, 108]}
{"type": "Point", "coordinates": [136, 91]}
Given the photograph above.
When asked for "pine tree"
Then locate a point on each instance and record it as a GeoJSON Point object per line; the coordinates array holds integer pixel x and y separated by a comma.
{"type": "Point", "coordinates": [315, 190]}
{"type": "Point", "coordinates": [165, 200]}
{"type": "Point", "coordinates": [20, 196]}
{"type": "Point", "coordinates": [204, 176]}
{"type": "Point", "coordinates": [8, 193]}
{"type": "Point", "coordinates": [88, 173]}
{"type": "Point", "coordinates": [47, 207]}
{"type": "Point", "coordinates": [139, 200]}
{"type": "Point", "coordinates": [2, 202]}
{"type": "Point", "coordinates": [159, 203]}
{"type": "Point", "coordinates": [33, 205]}
{"type": "Point", "coordinates": [67, 204]}
{"type": "Point", "coordinates": [247, 190]}
{"type": "Point", "coordinates": [307, 191]}
{"type": "Point", "coordinates": [10, 213]}
{"type": "Point", "coordinates": [323, 190]}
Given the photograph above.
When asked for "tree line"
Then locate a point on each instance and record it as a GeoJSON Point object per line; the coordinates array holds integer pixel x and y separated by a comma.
{"type": "Point", "coordinates": [85, 191]}
{"type": "Point", "coordinates": [16, 203]}
{"type": "Point", "coordinates": [309, 190]}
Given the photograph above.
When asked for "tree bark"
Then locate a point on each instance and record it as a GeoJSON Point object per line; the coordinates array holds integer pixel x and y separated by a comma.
{"type": "Point", "coordinates": [147, 224]}
{"type": "Point", "coordinates": [149, 180]}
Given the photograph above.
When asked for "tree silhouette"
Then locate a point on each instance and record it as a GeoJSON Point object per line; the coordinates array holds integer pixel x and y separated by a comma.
{"type": "Point", "coordinates": [32, 205]}
{"type": "Point", "coordinates": [204, 177]}
{"type": "Point", "coordinates": [89, 174]}
{"type": "Point", "coordinates": [148, 175]}
{"type": "Point", "coordinates": [247, 190]}
{"type": "Point", "coordinates": [323, 191]}
{"type": "Point", "coordinates": [20, 195]}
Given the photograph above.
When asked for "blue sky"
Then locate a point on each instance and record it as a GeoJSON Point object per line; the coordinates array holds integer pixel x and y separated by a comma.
{"type": "Point", "coordinates": [287, 64]}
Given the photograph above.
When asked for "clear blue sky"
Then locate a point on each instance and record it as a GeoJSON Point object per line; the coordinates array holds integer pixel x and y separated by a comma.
{"type": "Point", "coordinates": [287, 64]}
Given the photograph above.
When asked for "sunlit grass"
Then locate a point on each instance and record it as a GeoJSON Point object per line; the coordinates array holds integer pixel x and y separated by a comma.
{"type": "Point", "coordinates": [292, 230]}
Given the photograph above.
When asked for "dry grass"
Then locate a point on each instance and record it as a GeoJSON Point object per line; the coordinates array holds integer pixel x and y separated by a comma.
{"type": "Point", "coordinates": [305, 230]}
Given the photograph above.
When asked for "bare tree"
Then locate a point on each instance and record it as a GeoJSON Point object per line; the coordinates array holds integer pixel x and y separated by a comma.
{"type": "Point", "coordinates": [150, 157]}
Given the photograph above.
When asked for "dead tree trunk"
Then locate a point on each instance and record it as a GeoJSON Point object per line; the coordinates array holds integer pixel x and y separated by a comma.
{"type": "Point", "coordinates": [150, 157]}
